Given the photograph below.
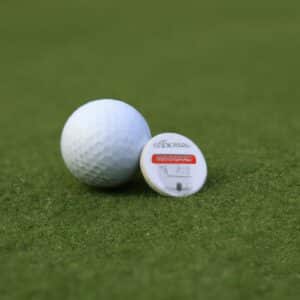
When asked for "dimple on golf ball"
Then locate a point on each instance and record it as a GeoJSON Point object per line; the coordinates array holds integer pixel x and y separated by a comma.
{"type": "Point", "coordinates": [102, 141]}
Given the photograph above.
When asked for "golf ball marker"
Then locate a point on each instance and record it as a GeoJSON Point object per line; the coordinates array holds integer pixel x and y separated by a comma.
{"type": "Point", "coordinates": [173, 165]}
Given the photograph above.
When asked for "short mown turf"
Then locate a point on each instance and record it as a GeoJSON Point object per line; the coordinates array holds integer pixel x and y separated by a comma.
{"type": "Point", "coordinates": [224, 73]}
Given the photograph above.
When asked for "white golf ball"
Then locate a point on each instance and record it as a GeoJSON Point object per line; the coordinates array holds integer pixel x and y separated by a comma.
{"type": "Point", "coordinates": [102, 141]}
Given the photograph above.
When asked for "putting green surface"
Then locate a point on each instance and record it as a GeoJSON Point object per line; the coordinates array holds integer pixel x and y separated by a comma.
{"type": "Point", "coordinates": [224, 73]}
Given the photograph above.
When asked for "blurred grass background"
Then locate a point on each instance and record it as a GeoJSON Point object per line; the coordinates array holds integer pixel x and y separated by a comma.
{"type": "Point", "coordinates": [224, 73]}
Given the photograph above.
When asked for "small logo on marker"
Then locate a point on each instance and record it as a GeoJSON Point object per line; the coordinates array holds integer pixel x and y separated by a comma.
{"type": "Point", "coordinates": [166, 144]}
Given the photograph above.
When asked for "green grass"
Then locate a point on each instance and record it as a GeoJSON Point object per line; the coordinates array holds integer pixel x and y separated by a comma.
{"type": "Point", "coordinates": [224, 73]}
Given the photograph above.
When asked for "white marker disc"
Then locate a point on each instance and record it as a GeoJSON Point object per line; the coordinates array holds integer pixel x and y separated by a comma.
{"type": "Point", "coordinates": [173, 165]}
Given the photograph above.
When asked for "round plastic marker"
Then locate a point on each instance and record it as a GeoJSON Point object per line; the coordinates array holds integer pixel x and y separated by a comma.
{"type": "Point", "coordinates": [173, 165]}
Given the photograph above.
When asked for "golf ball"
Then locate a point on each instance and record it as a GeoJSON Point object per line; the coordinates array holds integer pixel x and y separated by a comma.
{"type": "Point", "coordinates": [102, 141]}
